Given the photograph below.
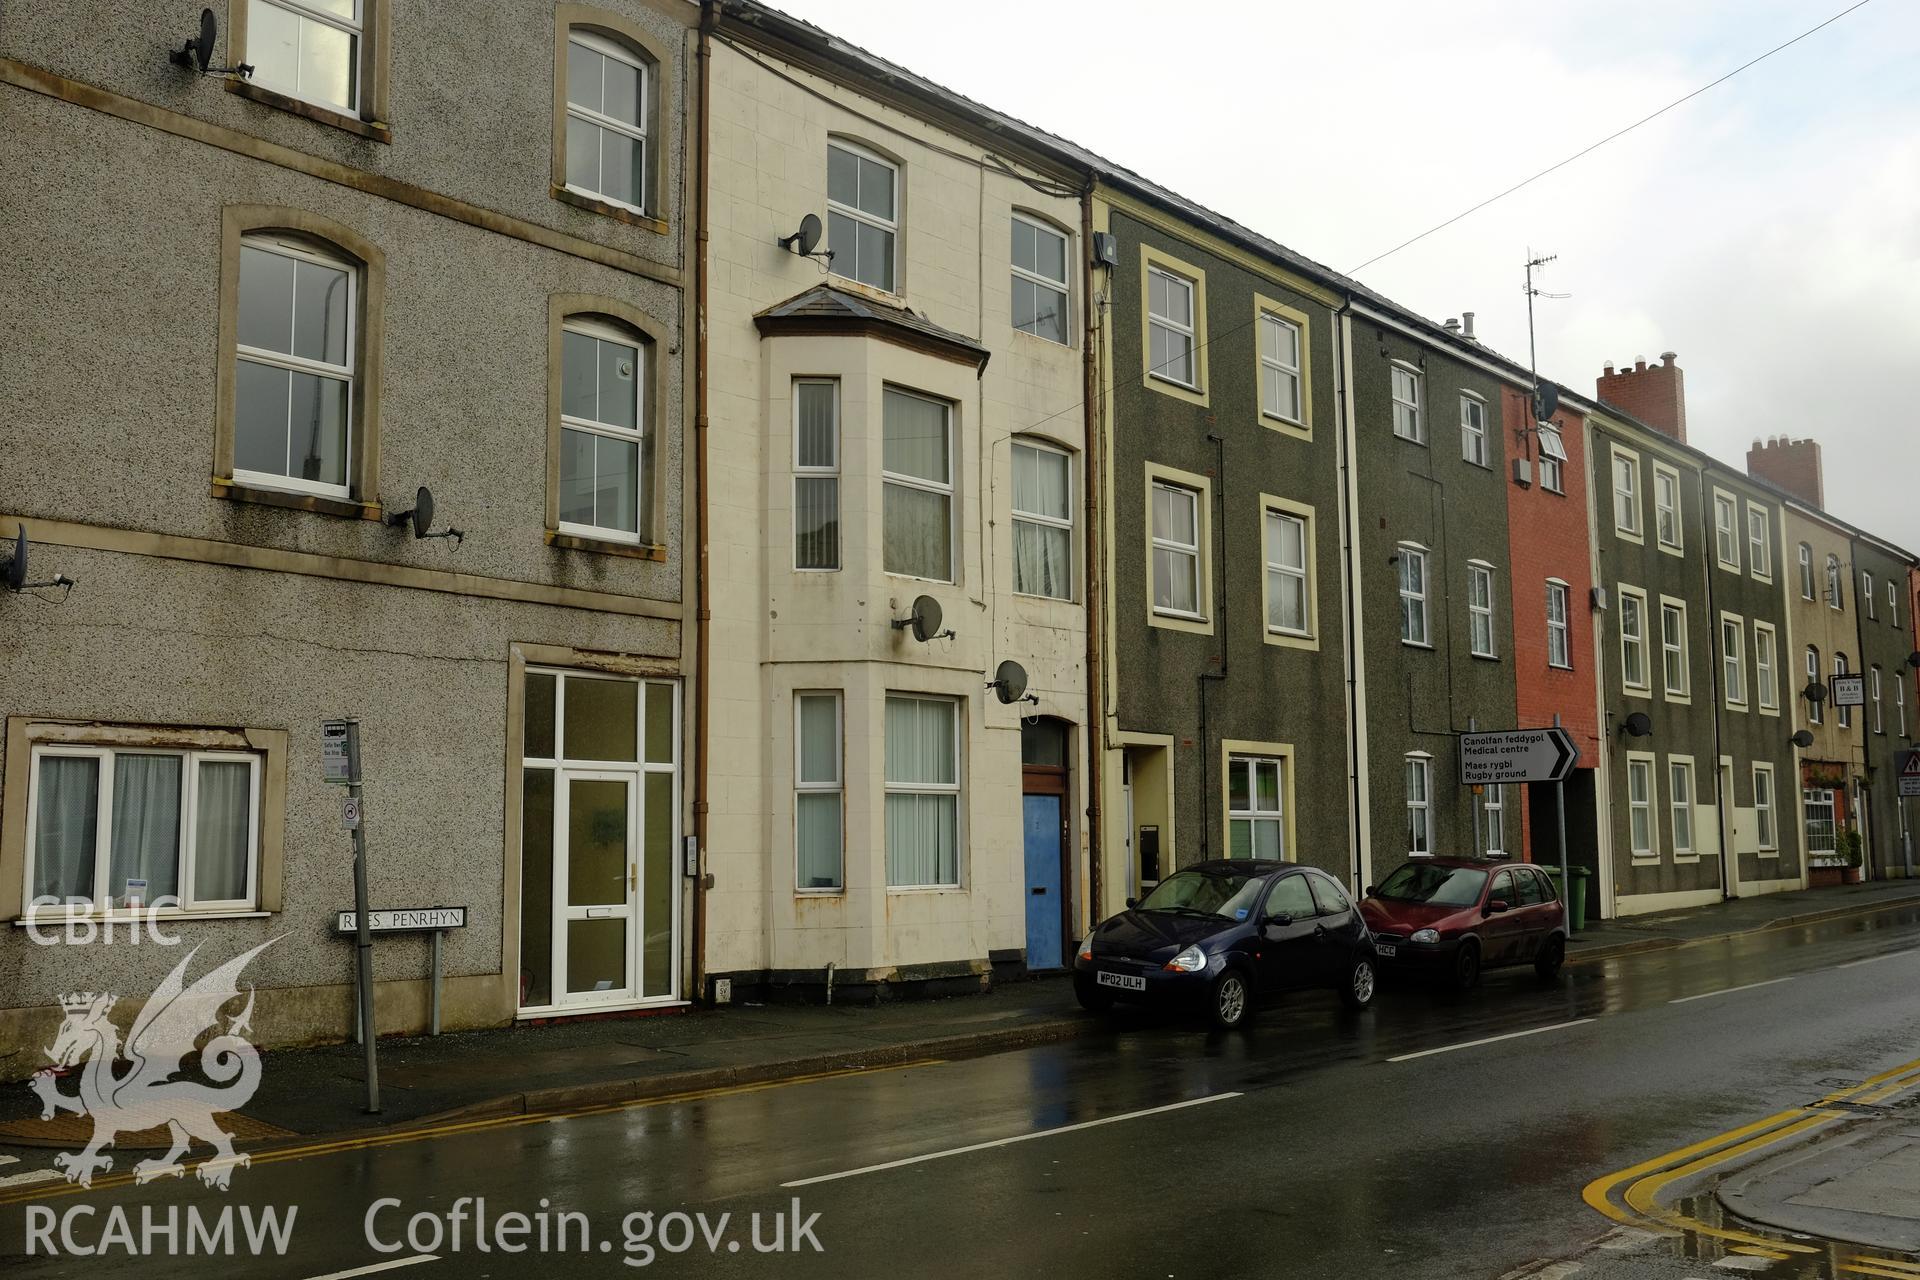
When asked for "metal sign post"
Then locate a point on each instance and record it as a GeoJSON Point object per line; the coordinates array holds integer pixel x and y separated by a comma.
{"type": "Point", "coordinates": [1560, 811]}
{"type": "Point", "coordinates": [1520, 756]}
{"type": "Point", "coordinates": [346, 733]}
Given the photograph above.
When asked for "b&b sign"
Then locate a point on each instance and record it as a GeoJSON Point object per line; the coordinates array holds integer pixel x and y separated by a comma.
{"type": "Point", "coordinates": [1516, 755]}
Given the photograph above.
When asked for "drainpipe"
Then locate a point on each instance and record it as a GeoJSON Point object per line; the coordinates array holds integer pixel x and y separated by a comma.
{"type": "Point", "coordinates": [1216, 549]}
{"type": "Point", "coordinates": [1359, 819]}
{"type": "Point", "coordinates": [1094, 779]}
{"type": "Point", "coordinates": [703, 613]}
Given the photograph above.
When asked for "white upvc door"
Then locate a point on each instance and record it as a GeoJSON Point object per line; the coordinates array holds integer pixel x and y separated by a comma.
{"type": "Point", "coordinates": [596, 886]}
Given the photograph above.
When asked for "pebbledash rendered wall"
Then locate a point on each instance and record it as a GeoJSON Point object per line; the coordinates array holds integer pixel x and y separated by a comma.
{"type": "Point", "coordinates": [777, 631]}
{"type": "Point", "coordinates": [207, 613]}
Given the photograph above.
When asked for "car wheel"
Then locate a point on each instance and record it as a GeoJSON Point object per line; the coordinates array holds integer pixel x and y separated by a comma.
{"type": "Point", "coordinates": [1361, 979]}
{"type": "Point", "coordinates": [1230, 1001]}
{"type": "Point", "coordinates": [1466, 966]}
{"type": "Point", "coordinates": [1092, 998]}
{"type": "Point", "coordinates": [1552, 956]}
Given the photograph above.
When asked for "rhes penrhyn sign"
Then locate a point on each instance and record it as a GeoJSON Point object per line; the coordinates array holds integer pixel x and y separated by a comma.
{"type": "Point", "coordinates": [404, 920]}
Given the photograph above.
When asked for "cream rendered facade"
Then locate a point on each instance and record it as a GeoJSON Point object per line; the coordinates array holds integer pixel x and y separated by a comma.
{"type": "Point", "coordinates": [778, 631]}
{"type": "Point", "coordinates": [1824, 624]}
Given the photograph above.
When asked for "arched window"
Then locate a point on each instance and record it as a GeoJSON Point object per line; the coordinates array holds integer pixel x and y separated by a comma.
{"type": "Point", "coordinates": [610, 78]}
{"type": "Point", "coordinates": [1806, 572]}
{"type": "Point", "coordinates": [1835, 584]}
{"type": "Point", "coordinates": [1813, 678]}
{"type": "Point", "coordinates": [1843, 714]}
{"type": "Point", "coordinates": [603, 429]}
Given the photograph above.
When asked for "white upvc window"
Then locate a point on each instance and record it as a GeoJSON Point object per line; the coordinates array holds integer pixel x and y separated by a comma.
{"type": "Point", "coordinates": [112, 828]}
{"type": "Point", "coordinates": [923, 792]}
{"type": "Point", "coordinates": [294, 367]}
{"type": "Point", "coordinates": [1813, 677]}
{"type": "Point", "coordinates": [1759, 543]}
{"type": "Point", "coordinates": [1553, 458]}
{"type": "Point", "coordinates": [607, 98]}
{"type": "Point", "coordinates": [1042, 521]}
{"type": "Point", "coordinates": [1176, 550]}
{"type": "Point", "coordinates": [1280, 343]}
{"type": "Point", "coordinates": [1733, 660]}
{"type": "Point", "coordinates": [1806, 572]}
{"type": "Point", "coordinates": [1766, 683]}
{"type": "Point", "coordinates": [1480, 609]}
{"type": "Point", "coordinates": [1640, 800]}
{"type": "Point", "coordinates": [1633, 638]}
{"type": "Point", "coordinates": [1822, 831]}
{"type": "Point", "coordinates": [819, 840]}
{"type": "Point", "coordinates": [1039, 280]}
{"type": "Point", "coordinates": [916, 470]}
{"type": "Point", "coordinates": [1676, 669]}
{"type": "Point", "coordinates": [1559, 614]}
{"type": "Point", "coordinates": [1626, 493]}
{"type": "Point", "coordinates": [1726, 537]}
{"type": "Point", "coordinates": [1866, 595]}
{"type": "Point", "coordinates": [1893, 603]}
{"type": "Point", "coordinates": [1171, 326]}
{"type": "Point", "coordinates": [1419, 805]}
{"type": "Point", "coordinates": [863, 212]}
{"type": "Point", "coordinates": [1667, 529]}
{"type": "Point", "coordinates": [1493, 820]}
{"type": "Point", "coordinates": [1407, 390]}
{"type": "Point", "coordinates": [1765, 816]}
{"type": "Point", "coordinates": [1836, 584]}
{"type": "Point", "coordinates": [1473, 429]}
{"type": "Point", "coordinates": [1680, 804]}
{"type": "Point", "coordinates": [1843, 714]}
{"type": "Point", "coordinates": [1256, 807]}
{"type": "Point", "coordinates": [603, 430]}
{"type": "Point", "coordinates": [1413, 595]}
{"type": "Point", "coordinates": [308, 49]}
{"type": "Point", "coordinates": [816, 474]}
{"type": "Point", "coordinates": [1873, 699]}
{"type": "Point", "coordinates": [1900, 699]}
{"type": "Point", "coordinates": [1289, 602]}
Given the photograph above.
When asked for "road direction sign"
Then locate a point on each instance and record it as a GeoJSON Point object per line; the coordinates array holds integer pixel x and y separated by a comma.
{"type": "Point", "coordinates": [1910, 773]}
{"type": "Point", "coordinates": [1516, 755]}
{"type": "Point", "coordinates": [1849, 691]}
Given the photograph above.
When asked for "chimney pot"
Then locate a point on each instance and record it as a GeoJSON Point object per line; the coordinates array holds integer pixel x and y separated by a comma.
{"type": "Point", "coordinates": [1639, 364]}
{"type": "Point", "coordinates": [1609, 368]}
{"type": "Point", "coordinates": [1466, 324]}
{"type": "Point", "coordinates": [1668, 357]}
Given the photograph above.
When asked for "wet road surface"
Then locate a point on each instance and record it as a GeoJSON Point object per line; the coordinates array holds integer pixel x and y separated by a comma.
{"type": "Point", "coordinates": [1431, 1136]}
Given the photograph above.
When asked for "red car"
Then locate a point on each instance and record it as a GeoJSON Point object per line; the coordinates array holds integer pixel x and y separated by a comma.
{"type": "Point", "coordinates": [1453, 917]}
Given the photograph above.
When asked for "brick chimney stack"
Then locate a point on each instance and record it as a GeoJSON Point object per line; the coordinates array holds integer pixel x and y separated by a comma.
{"type": "Point", "coordinates": [1793, 465]}
{"type": "Point", "coordinates": [1657, 394]}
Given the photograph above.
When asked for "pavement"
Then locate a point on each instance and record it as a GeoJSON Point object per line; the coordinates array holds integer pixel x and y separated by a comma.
{"type": "Point", "coordinates": [523, 1069]}
{"type": "Point", "coordinates": [1859, 1184]}
{"type": "Point", "coordinates": [1436, 1135]}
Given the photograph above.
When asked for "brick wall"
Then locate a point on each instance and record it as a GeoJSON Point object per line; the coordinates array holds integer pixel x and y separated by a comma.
{"type": "Point", "coordinates": [1655, 394]}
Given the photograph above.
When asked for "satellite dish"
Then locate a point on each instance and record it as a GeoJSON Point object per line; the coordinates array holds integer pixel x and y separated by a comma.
{"type": "Point", "coordinates": [1815, 692]}
{"type": "Point", "coordinates": [1546, 399]}
{"type": "Point", "coordinates": [421, 518]}
{"type": "Point", "coordinates": [806, 239]}
{"type": "Point", "coordinates": [1009, 683]}
{"type": "Point", "coordinates": [1913, 659]}
{"type": "Point", "coordinates": [203, 43]}
{"type": "Point", "coordinates": [1639, 725]}
{"type": "Point", "coordinates": [1801, 739]}
{"type": "Point", "coordinates": [17, 567]}
{"type": "Point", "coordinates": [924, 620]}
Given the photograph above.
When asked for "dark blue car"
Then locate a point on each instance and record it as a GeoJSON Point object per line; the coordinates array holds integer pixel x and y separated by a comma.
{"type": "Point", "coordinates": [1225, 935]}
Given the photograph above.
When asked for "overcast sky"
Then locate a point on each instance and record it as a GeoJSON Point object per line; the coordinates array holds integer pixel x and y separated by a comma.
{"type": "Point", "coordinates": [1768, 231]}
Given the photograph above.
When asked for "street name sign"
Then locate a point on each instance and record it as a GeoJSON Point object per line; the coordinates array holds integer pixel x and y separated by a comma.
{"type": "Point", "coordinates": [1516, 755]}
{"type": "Point", "coordinates": [404, 919]}
{"type": "Point", "coordinates": [1849, 691]}
{"type": "Point", "coordinates": [1910, 773]}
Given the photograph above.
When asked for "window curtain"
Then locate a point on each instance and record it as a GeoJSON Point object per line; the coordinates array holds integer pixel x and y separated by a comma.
{"type": "Point", "coordinates": [145, 844]}
{"type": "Point", "coordinates": [918, 524]}
{"type": "Point", "coordinates": [66, 826]}
{"type": "Point", "coordinates": [922, 827]}
{"type": "Point", "coordinates": [817, 819]}
{"type": "Point", "coordinates": [221, 830]}
{"type": "Point", "coordinates": [816, 498]}
{"type": "Point", "coordinates": [1042, 553]}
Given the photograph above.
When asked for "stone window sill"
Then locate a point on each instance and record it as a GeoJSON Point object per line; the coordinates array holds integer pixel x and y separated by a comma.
{"type": "Point", "coordinates": [605, 546]}
{"type": "Point", "coordinates": [619, 213]}
{"type": "Point", "coordinates": [346, 507]}
{"type": "Point", "coordinates": [373, 130]}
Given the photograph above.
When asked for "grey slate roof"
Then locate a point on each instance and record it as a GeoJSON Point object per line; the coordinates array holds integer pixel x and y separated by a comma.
{"type": "Point", "coordinates": [824, 306]}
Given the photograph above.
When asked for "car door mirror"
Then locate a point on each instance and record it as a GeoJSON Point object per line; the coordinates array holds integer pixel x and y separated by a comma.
{"type": "Point", "coordinates": [1496, 906]}
{"type": "Point", "coordinates": [1369, 892]}
{"type": "Point", "coordinates": [1132, 903]}
{"type": "Point", "coordinates": [1280, 918]}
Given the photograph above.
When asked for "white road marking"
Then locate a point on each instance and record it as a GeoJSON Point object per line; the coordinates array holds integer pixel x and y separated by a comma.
{"type": "Point", "coordinates": [391, 1265]}
{"type": "Point", "coordinates": [9, 1159]}
{"type": "Point", "coordinates": [1007, 1142]}
{"type": "Point", "coordinates": [30, 1177]}
{"type": "Point", "coordinates": [1707, 995]}
{"type": "Point", "coordinates": [1852, 964]}
{"type": "Point", "coordinates": [1511, 1035]}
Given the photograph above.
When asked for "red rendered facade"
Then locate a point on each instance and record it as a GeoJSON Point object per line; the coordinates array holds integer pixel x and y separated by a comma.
{"type": "Point", "coordinates": [1548, 533]}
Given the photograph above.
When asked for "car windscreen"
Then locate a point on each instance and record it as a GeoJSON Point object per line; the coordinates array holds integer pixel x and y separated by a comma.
{"type": "Point", "coordinates": [1435, 886]}
{"type": "Point", "coordinates": [1230, 895]}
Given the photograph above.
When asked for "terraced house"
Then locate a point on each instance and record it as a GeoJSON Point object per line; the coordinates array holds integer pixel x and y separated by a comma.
{"type": "Point", "coordinates": [419, 249]}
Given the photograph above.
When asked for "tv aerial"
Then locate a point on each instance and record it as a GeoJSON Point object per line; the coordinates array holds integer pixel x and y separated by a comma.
{"type": "Point", "coordinates": [924, 621]}
{"type": "Point", "coordinates": [805, 242]}
{"type": "Point", "coordinates": [421, 518]}
{"type": "Point", "coordinates": [1009, 684]}
{"type": "Point", "coordinates": [14, 569]}
{"type": "Point", "coordinates": [197, 52]}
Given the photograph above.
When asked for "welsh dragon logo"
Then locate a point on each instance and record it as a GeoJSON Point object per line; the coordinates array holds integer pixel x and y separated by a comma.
{"type": "Point", "coordinates": [147, 1094]}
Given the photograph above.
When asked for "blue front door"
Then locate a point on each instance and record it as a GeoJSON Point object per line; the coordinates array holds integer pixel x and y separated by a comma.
{"type": "Point", "coordinates": [1045, 947]}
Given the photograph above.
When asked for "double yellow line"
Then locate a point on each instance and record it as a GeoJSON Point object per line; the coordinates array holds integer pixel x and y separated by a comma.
{"type": "Point", "coordinates": [1633, 1196]}
{"type": "Point", "coordinates": [392, 1138]}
